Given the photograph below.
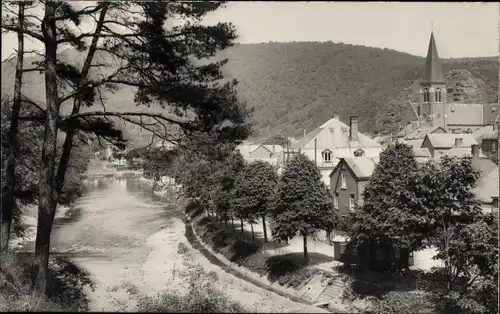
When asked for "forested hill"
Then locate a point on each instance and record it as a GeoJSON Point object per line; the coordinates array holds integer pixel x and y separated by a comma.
{"type": "Point", "coordinates": [299, 85]}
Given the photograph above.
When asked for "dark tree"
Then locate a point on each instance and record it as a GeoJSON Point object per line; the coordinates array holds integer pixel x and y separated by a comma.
{"type": "Point", "coordinates": [303, 205]}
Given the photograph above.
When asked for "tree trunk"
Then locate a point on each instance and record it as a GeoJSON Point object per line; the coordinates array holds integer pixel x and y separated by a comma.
{"type": "Point", "coordinates": [10, 168]}
{"type": "Point", "coordinates": [264, 227]}
{"type": "Point", "coordinates": [306, 256]}
{"type": "Point", "coordinates": [241, 221]}
{"type": "Point", "coordinates": [70, 133]}
{"type": "Point", "coordinates": [46, 181]}
{"type": "Point", "coordinates": [225, 219]}
{"type": "Point", "coordinates": [253, 235]}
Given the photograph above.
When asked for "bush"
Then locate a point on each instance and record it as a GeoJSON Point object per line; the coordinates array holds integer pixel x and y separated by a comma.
{"type": "Point", "coordinates": [66, 283]}
{"type": "Point", "coordinates": [402, 302]}
{"type": "Point", "coordinates": [182, 248]}
{"type": "Point", "coordinates": [201, 297]}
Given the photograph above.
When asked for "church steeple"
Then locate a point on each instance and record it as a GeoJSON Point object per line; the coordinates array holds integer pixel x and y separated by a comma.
{"type": "Point", "coordinates": [433, 71]}
{"type": "Point", "coordinates": [433, 92]}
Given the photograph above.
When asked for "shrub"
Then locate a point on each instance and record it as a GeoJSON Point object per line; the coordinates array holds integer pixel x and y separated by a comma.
{"type": "Point", "coordinates": [201, 297]}
{"type": "Point", "coordinates": [182, 248]}
{"type": "Point", "coordinates": [402, 302]}
{"type": "Point", "coordinates": [66, 283]}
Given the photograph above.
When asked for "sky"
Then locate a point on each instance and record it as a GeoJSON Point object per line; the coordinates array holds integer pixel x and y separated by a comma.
{"type": "Point", "coordinates": [461, 29]}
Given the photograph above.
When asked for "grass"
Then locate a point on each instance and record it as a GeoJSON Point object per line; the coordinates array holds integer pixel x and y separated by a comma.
{"type": "Point", "coordinates": [66, 283]}
{"type": "Point", "coordinates": [287, 270]}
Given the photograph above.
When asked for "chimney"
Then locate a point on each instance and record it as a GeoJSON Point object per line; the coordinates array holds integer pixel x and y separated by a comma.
{"type": "Point", "coordinates": [305, 133]}
{"type": "Point", "coordinates": [458, 141]}
{"type": "Point", "coordinates": [475, 150]}
{"type": "Point", "coordinates": [353, 129]}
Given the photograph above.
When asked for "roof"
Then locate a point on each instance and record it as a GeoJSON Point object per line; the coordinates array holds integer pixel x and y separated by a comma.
{"type": "Point", "coordinates": [421, 152]}
{"type": "Point", "coordinates": [485, 133]}
{"type": "Point", "coordinates": [487, 184]}
{"type": "Point", "coordinates": [420, 131]}
{"type": "Point", "coordinates": [433, 71]}
{"type": "Point", "coordinates": [274, 148]}
{"type": "Point", "coordinates": [457, 152]}
{"type": "Point", "coordinates": [362, 167]}
{"type": "Point", "coordinates": [340, 136]}
{"type": "Point", "coordinates": [464, 114]}
{"type": "Point", "coordinates": [448, 140]}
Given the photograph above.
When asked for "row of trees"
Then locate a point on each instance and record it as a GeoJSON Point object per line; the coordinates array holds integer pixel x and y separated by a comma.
{"type": "Point", "coordinates": [150, 47]}
{"type": "Point", "coordinates": [296, 203]}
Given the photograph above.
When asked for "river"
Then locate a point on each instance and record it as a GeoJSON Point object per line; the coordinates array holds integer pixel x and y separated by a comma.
{"type": "Point", "coordinates": [122, 234]}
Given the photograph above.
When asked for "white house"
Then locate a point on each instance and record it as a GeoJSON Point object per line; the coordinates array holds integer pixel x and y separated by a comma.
{"type": "Point", "coordinates": [334, 140]}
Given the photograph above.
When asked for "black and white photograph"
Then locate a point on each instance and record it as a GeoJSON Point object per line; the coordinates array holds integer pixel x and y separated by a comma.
{"type": "Point", "coordinates": [250, 157]}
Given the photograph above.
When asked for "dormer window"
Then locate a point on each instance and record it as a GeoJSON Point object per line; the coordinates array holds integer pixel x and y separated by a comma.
{"type": "Point", "coordinates": [327, 155]}
{"type": "Point", "coordinates": [426, 95]}
{"type": "Point", "coordinates": [438, 95]}
{"type": "Point", "coordinates": [359, 153]}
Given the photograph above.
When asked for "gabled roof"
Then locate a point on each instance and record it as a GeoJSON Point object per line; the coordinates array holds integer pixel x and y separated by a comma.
{"type": "Point", "coordinates": [433, 72]}
{"type": "Point", "coordinates": [448, 140]}
{"type": "Point", "coordinates": [420, 131]}
{"type": "Point", "coordinates": [259, 146]}
{"type": "Point", "coordinates": [361, 167]}
{"type": "Point", "coordinates": [485, 133]}
{"type": "Point", "coordinates": [276, 148]}
{"type": "Point", "coordinates": [340, 136]}
{"type": "Point", "coordinates": [420, 152]}
{"type": "Point", "coordinates": [456, 152]}
{"type": "Point", "coordinates": [487, 184]}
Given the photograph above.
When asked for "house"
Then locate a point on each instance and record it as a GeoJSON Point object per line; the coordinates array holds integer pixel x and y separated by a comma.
{"type": "Point", "coordinates": [449, 144]}
{"type": "Point", "coordinates": [266, 151]}
{"type": "Point", "coordinates": [487, 137]}
{"type": "Point", "coordinates": [437, 114]}
{"type": "Point", "coordinates": [348, 180]}
{"type": "Point", "coordinates": [333, 140]}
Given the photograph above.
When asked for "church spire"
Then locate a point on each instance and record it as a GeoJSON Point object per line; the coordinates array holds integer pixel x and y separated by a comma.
{"type": "Point", "coordinates": [433, 71]}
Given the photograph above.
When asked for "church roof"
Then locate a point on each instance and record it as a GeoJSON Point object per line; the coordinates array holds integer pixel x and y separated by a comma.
{"type": "Point", "coordinates": [433, 71]}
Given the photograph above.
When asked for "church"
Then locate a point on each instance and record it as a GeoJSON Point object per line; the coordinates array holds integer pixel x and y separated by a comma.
{"type": "Point", "coordinates": [438, 114]}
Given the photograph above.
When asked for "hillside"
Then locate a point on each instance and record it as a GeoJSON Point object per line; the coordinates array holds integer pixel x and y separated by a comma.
{"type": "Point", "coordinates": [299, 85]}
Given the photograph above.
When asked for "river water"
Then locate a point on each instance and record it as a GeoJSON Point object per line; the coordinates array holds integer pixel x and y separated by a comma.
{"type": "Point", "coordinates": [106, 230]}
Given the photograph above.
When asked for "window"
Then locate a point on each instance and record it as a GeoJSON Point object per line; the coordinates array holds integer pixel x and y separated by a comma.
{"type": "Point", "coordinates": [352, 202]}
{"type": "Point", "coordinates": [359, 153]}
{"type": "Point", "coordinates": [343, 184]}
{"type": "Point", "coordinates": [327, 155]}
{"type": "Point", "coordinates": [426, 95]}
{"type": "Point", "coordinates": [336, 201]}
{"type": "Point", "coordinates": [342, 247]}
{"type": "Point", "coordinates": [438, 95]}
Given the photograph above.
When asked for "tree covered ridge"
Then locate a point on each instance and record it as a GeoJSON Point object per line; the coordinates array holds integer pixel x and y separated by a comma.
{"type": "Point", "coordinates": [299, 85]}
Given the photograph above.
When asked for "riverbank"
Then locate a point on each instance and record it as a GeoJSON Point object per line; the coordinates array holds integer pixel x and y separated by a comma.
{"type": "Point", "coordinates": [29, 224]}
